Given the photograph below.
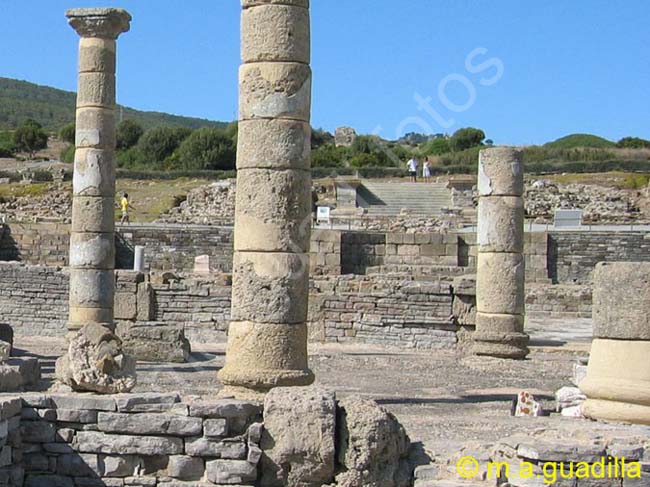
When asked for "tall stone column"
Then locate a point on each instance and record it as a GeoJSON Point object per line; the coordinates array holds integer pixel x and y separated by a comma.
{"type": "Point", "coordinates": [267, 338]}
{"type": "Point", "coordinates": [500, 269]}
{"type": "Point", "coordinates": [92, 242]}
{"type": "Point", "coordinates": [617, 384]}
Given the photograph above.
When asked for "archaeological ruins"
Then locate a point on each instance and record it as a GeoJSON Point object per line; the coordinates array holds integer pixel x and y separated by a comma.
{"type": "Point", "coordinates": [379, 348]}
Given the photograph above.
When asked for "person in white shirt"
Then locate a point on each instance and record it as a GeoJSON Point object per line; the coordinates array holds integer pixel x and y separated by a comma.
{"type": "Point", "coordinates": [426, 170]}
{"type": "Point", "coordinates": [412, 165]}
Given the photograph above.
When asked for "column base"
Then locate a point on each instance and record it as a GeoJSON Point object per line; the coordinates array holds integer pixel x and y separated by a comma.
{"type": "Point", "coordinates": [261, 356]}
{"type": "Point", "coordinates": [618, 381]}
{"type": "Point", "coordinates": [79, 317]}
{"type": "Point", "coordinates": [501, 345]}
{"type": "Point", "coordinates": [616, 411]}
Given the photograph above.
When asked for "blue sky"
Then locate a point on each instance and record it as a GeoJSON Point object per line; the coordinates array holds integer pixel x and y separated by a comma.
{"type": "Point", "coordinates": [525, 72]}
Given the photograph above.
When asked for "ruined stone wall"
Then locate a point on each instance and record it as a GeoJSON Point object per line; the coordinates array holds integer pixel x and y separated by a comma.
{"type": "Point", "coordinates": [574, 255]}
{"type": "Point", "coordinates": [35, 243]}
{"type": "Point", "coordinates": [130, 439]}
{"type": "Point", "coordinates": [558, 301]}
{"type": "Point", "coordinates": [167, 247]}
{"type": "Point", "coordinates": [369, 309]}
{"type": "Point", "coordinates": [34, 299]}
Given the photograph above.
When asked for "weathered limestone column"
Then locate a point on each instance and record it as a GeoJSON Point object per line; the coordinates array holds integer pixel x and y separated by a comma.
{"type": "Point", "coordinates": [267, 338]}
{"type": "Point", "coordinates": [500, 268]}
{"type": "Point", "coordinates": [618, 375]}
{"type": "Point", "coordinates": [92, 247]}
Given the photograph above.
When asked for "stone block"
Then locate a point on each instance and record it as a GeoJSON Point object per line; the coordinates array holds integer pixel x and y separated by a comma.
{"type": "Point", "coordinates": [96, 90]}
{"type": "Point", "coordinates": [621, 300]}
{"type": "Point", "coordinates": [204, 447]}
{"type": "Point", "coordinates": [500, 224]}
{"type": "Point", "coordinates": [273, 144]}
{"type": "Point", "coordinates": [83, 401]}
{"type": "Point", "coordinates": [6, 333]}
{"type": "Point", "coordinates": [230, 471]}
{"type": "Point", "coordinates": [91, 288]}
{"type": "Point", "coordinates": [145, 302]}
{"type": "Point", "coordinates": [298, 441]}
{"type": "Point", "coordinates": [78, 316]}
{"type": "Point", "coordinates": [78, 465]}
{"type": "Point", "coordinates": [154, 342]}
{"type": "Point", "coordinates": [261, 356]}
{"type": "Point", "coordinates": [92, 250]}
{"type": "Point", "coordinates": [95, 127]}
{"type": "Point", "coordinates": [225, 408]}
{"type": "Point", "coordinates": [94, 172]}
{"type": "Point", "coordinates": [275, 33]}
{"type": "Point", "coordinates": [140, 402]}
{"type": "Point", "coordinates": [215, 428]}
{"type": "Point", "coordinates": [93, 214]}
{"type": "Point", "coordinates": [618, 381]}
{"type": "Point", "coordinates": [277, 219]}
{"type": "Point", "coordinates": [97, 55]}
{"type": "Point", "coordinates": [185, 468]}
{"type": "Point", "coordinates": [500, 284]}
{"type": "Point", "coordinates": [500, 172]}
{"type": "Point", "coordinates": [275, 90]}
{"type": "Point", "coordinates": [270, 287]}
{"type": "Point", "coordinates": [149, 424]}
{"type": "Point", "coordinates": [97, 442]}
{"type": "Point", "coordinates": [126, 307]}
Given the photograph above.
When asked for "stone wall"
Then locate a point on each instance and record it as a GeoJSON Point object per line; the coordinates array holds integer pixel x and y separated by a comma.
{"type": "Point", "coordinates": [168, 247]}
{"type": "Point", "coordinates": [558, 301]}
{"type": "Point", "coordinates": [139, 440]}
{"type": "Point", "coordinates": [373, 309]}
{"type": "Point", "coordinates": [574, 255]}
{"type": "Point", "coordinates": [11, 468]}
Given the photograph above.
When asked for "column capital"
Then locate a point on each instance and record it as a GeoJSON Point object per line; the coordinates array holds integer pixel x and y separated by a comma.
{"type": "Point", "coordinates": [106, 23]}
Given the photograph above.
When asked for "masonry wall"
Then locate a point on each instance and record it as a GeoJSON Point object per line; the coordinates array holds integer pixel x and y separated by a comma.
{"type": "Point", "coordinates": [150, 439]}
{"type": "Point", "coordinates": [574, 255]}
{"type": "Point", "coordinates": [372, 309]}
{"type": "Point", "coordinates": [167, 247]}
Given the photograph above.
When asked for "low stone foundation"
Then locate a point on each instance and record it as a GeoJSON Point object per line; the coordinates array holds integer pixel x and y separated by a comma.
{"type": "Point", "coordinates": [148, 440]}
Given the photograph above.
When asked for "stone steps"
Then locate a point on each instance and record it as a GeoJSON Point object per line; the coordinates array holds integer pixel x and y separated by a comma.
{"type": "Point", "coordinates": [389, 199]}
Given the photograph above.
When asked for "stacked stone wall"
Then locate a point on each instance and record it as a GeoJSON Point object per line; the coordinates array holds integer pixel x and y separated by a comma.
{"type": "Point", "coordinates": [376, 310]}
{"type": "Point", "coordinates": [132, 439]}
{"type": "Point", "coordinates": [574, 255]}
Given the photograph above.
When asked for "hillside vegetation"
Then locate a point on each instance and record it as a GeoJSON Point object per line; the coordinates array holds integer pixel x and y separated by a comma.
{"type": "Point", "coordinates": [53, 108]}
{"type": "Point", "coordinates": [580, 140]}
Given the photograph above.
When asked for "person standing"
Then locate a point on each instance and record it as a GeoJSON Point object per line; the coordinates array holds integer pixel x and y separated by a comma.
{"type": "Point", "coordinates": [426, 170]}
{"type": "Point", "coordinates": [125, 205]}
{"type": "Point", "coordinates": [412, 166]}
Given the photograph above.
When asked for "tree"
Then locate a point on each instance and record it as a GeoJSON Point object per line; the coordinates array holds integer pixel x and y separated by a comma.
{"type": "Point", "coordinates": [207, 148]}
{"type": "Point", "coordinates": [128, 134]}
{"type": "Point", "coordinates": [466, 138]}
{"type": "Point", "coordinates": [158, 144]}
{"type": "Point", "coordinates": [633, 143]}
{"type": "Point", "coordinates": [436, 147]}
{"type": "Point", "coordinates": [67, 133]}
{"type": "Point", "coordinates": [328, 155]}
{"type": "Point", "coordinates": [30, 137]}
{"type": "Point", "coordinates": [320, 137]}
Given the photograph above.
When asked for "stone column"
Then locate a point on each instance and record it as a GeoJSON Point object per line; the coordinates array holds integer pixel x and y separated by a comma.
{"type": "Point", "coordinates": [92, 243]}
{"type": "Point", "coordinates": [267, 338]}
{"type": "Point", "coordinates": [618, 375]}
{"type": "Point", "coordinates": [500, 269]}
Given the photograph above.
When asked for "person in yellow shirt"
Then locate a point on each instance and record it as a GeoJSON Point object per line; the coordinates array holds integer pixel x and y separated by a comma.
{"type": "Point", "coordinates": [125, 206]}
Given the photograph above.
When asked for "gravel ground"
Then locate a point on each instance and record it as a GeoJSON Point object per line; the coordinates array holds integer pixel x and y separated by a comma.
{"type": "Point", "coordinates": [442, 398]}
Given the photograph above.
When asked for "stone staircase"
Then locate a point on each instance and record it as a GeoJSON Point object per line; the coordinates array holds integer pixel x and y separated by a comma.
{"type": "Point", "coordinates": [418, 199]}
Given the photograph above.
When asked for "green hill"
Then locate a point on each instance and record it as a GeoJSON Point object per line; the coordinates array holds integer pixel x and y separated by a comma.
{"type": "Point", "coordinates": [580, 140]}
{"type": "Point", "coordinates": [54, 108]}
